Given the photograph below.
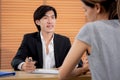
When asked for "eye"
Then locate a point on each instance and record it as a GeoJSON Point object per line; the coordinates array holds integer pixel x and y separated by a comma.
{"type": "Point", "coordinates": [45, 17]}
{"type": "Point", "coordinates": [53, 17]}
{"type": "Point", "coordinates": [84, 9]}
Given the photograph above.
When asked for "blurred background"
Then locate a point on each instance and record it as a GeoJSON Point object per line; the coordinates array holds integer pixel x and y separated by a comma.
{"type": "Point", "coordinates": [16, 19]}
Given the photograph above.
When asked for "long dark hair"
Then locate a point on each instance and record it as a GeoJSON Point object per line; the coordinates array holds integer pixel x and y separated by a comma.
{"type": "Point", "coordinates": [109, 6]}
{"type": "Point", "coordinates": [118, 8]}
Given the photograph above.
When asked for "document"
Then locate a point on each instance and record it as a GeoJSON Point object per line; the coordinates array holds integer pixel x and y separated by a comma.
{"type": "Point", "coordinates": [46, 71]}
{"type": "Point", "coordinates": [2, 73]}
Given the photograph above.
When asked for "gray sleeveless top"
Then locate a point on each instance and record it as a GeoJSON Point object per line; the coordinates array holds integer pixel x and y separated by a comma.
{"type": "Point", "coordinates": [104, 38]}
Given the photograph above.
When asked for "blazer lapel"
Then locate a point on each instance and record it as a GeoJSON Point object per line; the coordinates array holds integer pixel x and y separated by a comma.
{"type": "Point", "coordinates": [56, 53]}
{"type": "Point", "coordinates": [39, 49]}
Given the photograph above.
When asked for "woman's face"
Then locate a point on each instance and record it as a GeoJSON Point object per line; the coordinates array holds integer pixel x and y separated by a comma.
{"type": "Point", "coordinates": [47, 22]}
{"type": "Point", "coordinates": [90, 13]}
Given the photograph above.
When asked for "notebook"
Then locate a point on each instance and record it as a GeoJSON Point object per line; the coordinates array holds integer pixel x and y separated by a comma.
{"type": "Point", "coordinates": [2, 73]}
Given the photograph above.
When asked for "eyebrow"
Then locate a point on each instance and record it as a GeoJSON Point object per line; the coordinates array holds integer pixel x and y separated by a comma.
{"type": "Point", "coordinates": [49, 15]}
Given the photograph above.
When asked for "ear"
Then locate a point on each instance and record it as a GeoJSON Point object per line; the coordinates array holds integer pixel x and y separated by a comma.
{"type": "Point", "coordinates": [37, 22]}
{"type": "Point", "coordinates": [98, 8]}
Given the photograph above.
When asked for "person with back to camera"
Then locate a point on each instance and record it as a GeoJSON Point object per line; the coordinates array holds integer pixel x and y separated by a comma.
{"type": "Point", "coordinates": [42, 49]}
{"type": "Point", "coordinates": [100, 36]}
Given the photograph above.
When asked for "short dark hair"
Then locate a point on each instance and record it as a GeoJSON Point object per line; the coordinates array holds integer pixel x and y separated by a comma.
{"type": "Point", "coordinates": [41, 11]}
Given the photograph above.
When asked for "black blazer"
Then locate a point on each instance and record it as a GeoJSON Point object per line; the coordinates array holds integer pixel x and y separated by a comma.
{"type": "Point", "coordinates": [31, 46]}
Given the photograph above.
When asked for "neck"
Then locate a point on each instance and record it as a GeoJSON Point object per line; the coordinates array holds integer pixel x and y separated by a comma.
{"type": "Point", "coordinates": [47, 36]}
{"type": "Point", "coordinates": [102, 17]}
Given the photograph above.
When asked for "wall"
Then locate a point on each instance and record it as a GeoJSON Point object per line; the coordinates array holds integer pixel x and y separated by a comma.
{"type": "Point", "coordinates": [16, 17]}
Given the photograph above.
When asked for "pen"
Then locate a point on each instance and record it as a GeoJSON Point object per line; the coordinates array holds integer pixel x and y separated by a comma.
{"type": "Point", "coordinates": [29, 59]}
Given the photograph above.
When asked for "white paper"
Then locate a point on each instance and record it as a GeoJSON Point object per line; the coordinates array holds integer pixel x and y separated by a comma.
{"type": "Point", "coordinates": [46, 71]}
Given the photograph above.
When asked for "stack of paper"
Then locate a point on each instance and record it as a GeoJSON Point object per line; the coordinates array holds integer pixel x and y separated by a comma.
{"type": "Point", "coordinates": [46, 71]}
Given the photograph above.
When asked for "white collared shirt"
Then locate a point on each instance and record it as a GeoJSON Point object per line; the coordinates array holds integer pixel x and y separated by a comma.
{"type": "Point", "coordinates": [48, 58]}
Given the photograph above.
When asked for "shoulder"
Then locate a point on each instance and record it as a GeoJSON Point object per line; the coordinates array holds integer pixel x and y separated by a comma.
{"type": "Point", "coordinates": [60, 37]}
{"type": "Point", "coordinates": [33, 34]}
{"type": "Point", "coordinates": [102, 24]}
{"type": "Point", "coordinates": [28, 37]}
{"type": "Point", "coordinates": [96, 24]}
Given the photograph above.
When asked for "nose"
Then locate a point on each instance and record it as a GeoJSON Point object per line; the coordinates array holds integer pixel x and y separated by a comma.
{"type": "Point", "coordinates": [49, 20]}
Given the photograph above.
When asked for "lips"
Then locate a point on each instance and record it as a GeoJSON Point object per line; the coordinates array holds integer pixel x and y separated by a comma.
{"type": "Point", "coordinates": [50, 26]}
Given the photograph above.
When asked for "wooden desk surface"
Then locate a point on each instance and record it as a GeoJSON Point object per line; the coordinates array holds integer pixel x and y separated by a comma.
{"type": "Point", "coordinates": [21, 75]}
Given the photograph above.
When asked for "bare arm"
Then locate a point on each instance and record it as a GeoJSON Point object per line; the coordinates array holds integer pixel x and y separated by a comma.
{"type": "Point", "coordinates": [73, 57]}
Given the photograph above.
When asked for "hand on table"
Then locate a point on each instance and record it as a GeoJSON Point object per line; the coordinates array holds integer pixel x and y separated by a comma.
{"type": "Point", "coordinates": [29, 65]}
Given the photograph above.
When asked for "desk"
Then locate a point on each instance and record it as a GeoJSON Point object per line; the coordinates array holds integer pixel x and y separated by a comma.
{"type": "Point", "coordinates": [21, 75]}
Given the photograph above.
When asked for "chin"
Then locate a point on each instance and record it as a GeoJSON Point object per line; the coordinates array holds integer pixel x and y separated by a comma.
{"type": "Point", "coordinates": [50, 31]}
